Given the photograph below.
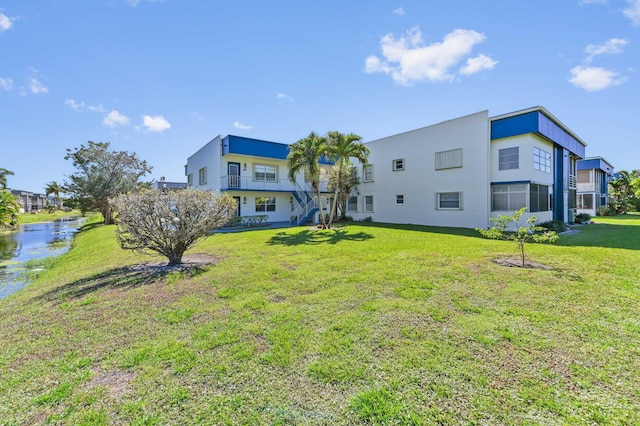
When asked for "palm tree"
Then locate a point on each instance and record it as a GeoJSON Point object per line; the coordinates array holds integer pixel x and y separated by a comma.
{"type": "Point", "coordinates": [304, 156]}
{"type": "Point", "coordinates": [54, 188]}
{"type": "Point", "coordinates": [9, 209]}
{"type": "Point", "coordinates": [622, 189]}
{"type": "Point", "coordinates": [341, 148]}
{"type": "Point", "coordinates": [3, 177]}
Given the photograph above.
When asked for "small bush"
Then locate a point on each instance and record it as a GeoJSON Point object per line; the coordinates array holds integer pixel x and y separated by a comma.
{"type": "Point", "coordinates": [583, 218]}
{"type": "Point", "coordinates": [554, 225]}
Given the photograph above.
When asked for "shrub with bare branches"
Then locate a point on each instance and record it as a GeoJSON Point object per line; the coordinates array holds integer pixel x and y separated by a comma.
{"type": "Point", "coordinates": [169, 223]}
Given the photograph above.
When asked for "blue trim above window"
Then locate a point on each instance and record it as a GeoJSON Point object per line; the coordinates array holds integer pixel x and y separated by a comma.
{"type": "Point", "coordinates": [536, 122]}
{"type": "Point", "coordinates": [595, 164]}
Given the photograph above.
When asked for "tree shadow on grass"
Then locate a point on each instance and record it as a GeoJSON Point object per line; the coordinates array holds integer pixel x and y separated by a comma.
{"type": "Point", "coordinates": [128, 277]}
{"type": "Point", "coordinates": [332, 236]}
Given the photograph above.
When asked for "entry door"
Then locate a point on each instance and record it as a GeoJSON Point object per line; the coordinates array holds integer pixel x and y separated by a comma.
{"type": "Point", "coordinates": [237, 205]}
{"type": "Point", "coordinates": [233, 175]}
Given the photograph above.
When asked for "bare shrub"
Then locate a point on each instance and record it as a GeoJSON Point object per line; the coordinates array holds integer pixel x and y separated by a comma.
{"type": "Point", "coordinates": [169, 223]}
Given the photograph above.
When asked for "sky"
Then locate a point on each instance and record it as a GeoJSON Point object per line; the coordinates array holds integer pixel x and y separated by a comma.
{"type": "Point", "coordinates": [161, 78]}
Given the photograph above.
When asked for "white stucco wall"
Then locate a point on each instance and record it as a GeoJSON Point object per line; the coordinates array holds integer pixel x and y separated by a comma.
{"type": "Point", "coordinates": [208, 156]}
{"type": "Point", "coordinates": [420, 182]}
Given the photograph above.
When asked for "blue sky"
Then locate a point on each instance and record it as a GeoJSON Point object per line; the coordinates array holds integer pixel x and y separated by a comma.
{"type": "Point", "coordinates": [162, 78]}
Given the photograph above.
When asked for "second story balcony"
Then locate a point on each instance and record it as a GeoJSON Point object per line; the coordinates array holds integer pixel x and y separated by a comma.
{"type": "Point", "coordinates": [249, 183]}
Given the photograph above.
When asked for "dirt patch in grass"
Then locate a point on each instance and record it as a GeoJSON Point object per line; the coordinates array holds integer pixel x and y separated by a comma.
{"type": "Point", "coordinates": [189, 261]}
{"type": "Point", "coordinates": [115, 382]}
{"type": "Point", "coordinates": [517, 263]}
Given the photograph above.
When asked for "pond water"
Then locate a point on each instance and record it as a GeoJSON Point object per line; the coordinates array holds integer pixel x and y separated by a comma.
{"type": "Point", "coordinates": [31, 242]}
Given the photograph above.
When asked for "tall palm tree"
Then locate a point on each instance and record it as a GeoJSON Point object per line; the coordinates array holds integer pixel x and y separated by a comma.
{"type": "Point", "coordinates": [341, 148]}
{"type": "Point", "coordinates": [54, 188]}
{"type": "Point", "coordinates": [304, 156]}
{"type": "Point", "coordinates": [3, 177]}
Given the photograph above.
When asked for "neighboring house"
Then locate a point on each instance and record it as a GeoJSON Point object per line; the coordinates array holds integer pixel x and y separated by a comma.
{"type": "Point", "coordinates": [165, 185]}
{"type": "Point", "coordinates": [255, 173]}
{"type": "Point", "coordinates": [594, 174]}
{"type": "Point", "coordinates": [463, 171]}
{"type": "Point", "coordinates": [30, 202]}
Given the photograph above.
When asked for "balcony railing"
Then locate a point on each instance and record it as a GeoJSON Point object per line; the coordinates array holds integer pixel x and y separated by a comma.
{"type": "Point", "coordinates": [248, 183]}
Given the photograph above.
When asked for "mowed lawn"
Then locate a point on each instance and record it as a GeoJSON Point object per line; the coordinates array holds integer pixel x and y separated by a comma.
{"type": "Point", "coordinates": [369, 324]}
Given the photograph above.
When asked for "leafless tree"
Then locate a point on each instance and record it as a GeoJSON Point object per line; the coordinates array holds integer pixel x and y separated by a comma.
{"type": "Point", "coordinates": [169, 223]}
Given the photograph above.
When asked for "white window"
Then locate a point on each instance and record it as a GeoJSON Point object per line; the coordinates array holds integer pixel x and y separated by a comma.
{"type": "Point", "coordinates": [449, 159]}
{"type": "Point", "coordinates": [190, 179]}
{"type": "Point", "coordinates": [538, 198]}
{"type": "Point", "coordinates": [509, 158]}
{"type": "Point", "coordinates": [368, 203]}
{"type": "Point", "coordinates": [449, 200]}
{"type": "Point", "coordinates": [585, 201]}
{"type": "Point", "coordinates": [265, 204]}
{"type": "Point", "coordinates": [264, 173]}
{"type": "Point", "coordinates": [202, 176]}
{"type": "Point", "coordinates": [505, 197]}
{"type": "Point", "coordinates": [541, 160]}
{"type": "Point", "coordinates": [398, 164]}
{"type": "Point", "coordinates": [400, 199]}
{"type": "Point", "coordinates": [367, 173]}
{"type": "Point", "coordinates": [584, 176]}
{"type": "Point", "coordinates": [352, 204]}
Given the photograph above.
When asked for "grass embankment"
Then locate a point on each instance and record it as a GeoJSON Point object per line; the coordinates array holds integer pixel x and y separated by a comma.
{"type": "Point", "coordinates": [370, 324]}
{"type": "Point", "coordinates": [44, 216]}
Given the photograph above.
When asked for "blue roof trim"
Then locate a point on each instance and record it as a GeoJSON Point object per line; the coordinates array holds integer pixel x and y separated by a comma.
{"type": "Point", "coordinates": [536, 122]}
{"type": "Point", "coordinates": [595, 164]}
{"type": "Point", "coordinates": [232, 144]}
{"type": "Point", "coordinates": [511, 182]}
{"type": "Point", "coordinates": [255, 147]}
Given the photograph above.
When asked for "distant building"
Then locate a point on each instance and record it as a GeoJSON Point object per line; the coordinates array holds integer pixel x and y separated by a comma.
{"type": "Point", "coordinates": [165, 185]}
{"type": "Point", "coordinates": [30, 202]}
{"type": "Point", "coordinates": [594, 174]}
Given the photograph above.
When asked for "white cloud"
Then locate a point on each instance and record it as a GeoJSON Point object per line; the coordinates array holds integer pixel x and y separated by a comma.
{"type": "Point", "coordinates": [399, 11]}
{"type": "Point", "coordinates": [610, 47]}
{"type": "Point", "coordinates": [96, 108]}
{"type": "Point", "coordinates": [409, 60]}
{"type": "Point", "coordinates": [81, 106]}
{"type": "Point", "coordinates": [114, 119]}
{"type": "Point", "coordinates": [594, 78]}
{"type": "Point", "coordinates": [155, 124]}
{"type": "Point", "coordinates": [5, 22]}
{"type": "Point", "coordinates": [241, 126]}
{"type": "Point", "coordinates": [6, 83]}
{"type": "Point", "coordinates": [74, 105]}
{"type": "Point", "coordinates": [633, 11]}
{"type": "Point", "coordinates": [477, 64]}
{"type": "Point", "coordinates": [282, 96]}
{"type": "Point", "coordinates": [135, 3]}
{"type": "Point", "coordinates": [36, 87]}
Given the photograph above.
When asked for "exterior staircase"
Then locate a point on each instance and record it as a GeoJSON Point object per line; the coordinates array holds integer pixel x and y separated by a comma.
{"type": "Point", "coordinates": [307, 207]}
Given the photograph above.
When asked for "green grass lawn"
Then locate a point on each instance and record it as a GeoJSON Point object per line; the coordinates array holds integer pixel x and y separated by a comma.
{"type": "Point", "coordinates": [370, 324]}
{"type": "Point", "coordinates": [45, 216]}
